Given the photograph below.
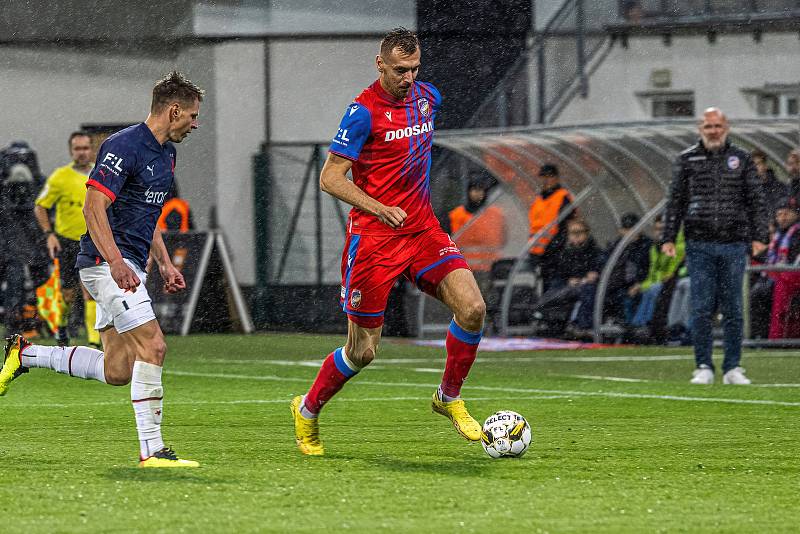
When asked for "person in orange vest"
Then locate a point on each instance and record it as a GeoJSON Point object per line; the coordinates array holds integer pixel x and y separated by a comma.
{"type": "Point", "coordinates": [553, 198]}
{"type": "Point", "coordinates": [479, 230]}
{"type": "Point", "coordinates": [176, 215]}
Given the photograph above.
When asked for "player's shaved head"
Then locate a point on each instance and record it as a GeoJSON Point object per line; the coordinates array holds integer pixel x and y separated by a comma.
{"type": "Point", "coordinates": [713, 128]}
{"type": "Point", "coordinates": [713, 113]}
{"type": "Point", "coordinates": [403, 39]}
{"type": "Point", "coordinates": [174, 87]}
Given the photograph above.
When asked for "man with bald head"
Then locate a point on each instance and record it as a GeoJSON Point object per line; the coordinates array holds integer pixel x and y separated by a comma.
{"type": "Point", "coordinates": [716, 195]}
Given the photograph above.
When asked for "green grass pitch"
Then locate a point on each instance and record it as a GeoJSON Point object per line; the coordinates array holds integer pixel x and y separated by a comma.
{"type": "Point", "coordinates": [622, 443]}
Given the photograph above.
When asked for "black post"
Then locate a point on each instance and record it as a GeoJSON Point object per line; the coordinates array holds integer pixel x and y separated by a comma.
{"type": "Point", "coordinates": [318, 209]}
{"type": "Point", "coordinates": [580, 23]}
{"type": "Point", "coordinates": [540, 83]}
{"type": "Point", "coordinates": [262, 193]}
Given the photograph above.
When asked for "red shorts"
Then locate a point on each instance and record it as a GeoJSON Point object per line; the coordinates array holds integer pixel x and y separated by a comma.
{"type": "Point", "coordinates": [372, 263]}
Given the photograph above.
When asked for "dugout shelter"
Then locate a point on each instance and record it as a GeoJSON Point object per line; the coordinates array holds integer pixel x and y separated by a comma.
{"type": "Point", "coordinates": [610, 169]}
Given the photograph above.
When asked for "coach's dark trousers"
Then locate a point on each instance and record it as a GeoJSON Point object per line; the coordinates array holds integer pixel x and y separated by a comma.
{"type": "Point", "coordinates": [716, 271]}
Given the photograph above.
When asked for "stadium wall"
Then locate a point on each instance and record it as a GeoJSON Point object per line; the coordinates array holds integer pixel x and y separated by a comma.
{"type": "Point", "coordinates": [313, 81]}
{"type": "Point", "coordinates": [240, 124]}
{"type": "Point", "coordinates": [51, 91]}
{"type": "Point", "coordinates": [715, 72]}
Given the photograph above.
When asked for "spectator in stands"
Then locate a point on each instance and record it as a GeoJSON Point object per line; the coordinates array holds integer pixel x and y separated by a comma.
{"type": "Point", "coordinates": [631, 268]}
{"type": "Point", "coordinates": [65, 192]}
{"type": "Point", "coordinates": [479, 230]}
{"type": "Point", "coordinates": [793, 172]}
{"type": "Point", "coordinates": [777, 296]}
{"type": "Point", "coordinates": [580, 262]}
{"type": "Point", "coordinates": [716, 195]}
{"type": "Point", "coordinates": [775, 191]}
{"type": "Point", "coordinates": [658, 282]}
{"type": "Point", "coordinates": [679, 319]}
{"type": "Point", "coordinates": [176, 215]}
{"type": "Point", "coordinates": [546, 207]}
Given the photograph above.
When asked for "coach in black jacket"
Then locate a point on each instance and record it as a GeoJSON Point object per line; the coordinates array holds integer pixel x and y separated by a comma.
{"type": "Point", "coordinates": [717, 195]}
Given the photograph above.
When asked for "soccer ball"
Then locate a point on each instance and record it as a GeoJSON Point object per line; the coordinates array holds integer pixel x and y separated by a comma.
{"type": "Point", "coordinates": [506, 434]}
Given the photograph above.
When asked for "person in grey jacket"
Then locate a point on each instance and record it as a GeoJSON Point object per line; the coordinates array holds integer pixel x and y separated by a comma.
{"type": "Point", "coordinates": [717, 196]}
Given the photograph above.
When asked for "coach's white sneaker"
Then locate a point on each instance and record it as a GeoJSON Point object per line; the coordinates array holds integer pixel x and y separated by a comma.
{"type": "Point", "coordinates": [703, 375]}
{"type": "Point", "coordinates": [735, 377]}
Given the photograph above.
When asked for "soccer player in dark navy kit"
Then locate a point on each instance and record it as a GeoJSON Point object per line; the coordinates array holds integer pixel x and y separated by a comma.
{"type": "Point", "coordinates": [385, 138]}
{"type": "Point", "coordinates": [125, 192]}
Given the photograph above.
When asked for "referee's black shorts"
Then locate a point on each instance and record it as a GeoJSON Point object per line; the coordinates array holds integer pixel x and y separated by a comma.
{"type": "Point", "coordinates": [67, 258]}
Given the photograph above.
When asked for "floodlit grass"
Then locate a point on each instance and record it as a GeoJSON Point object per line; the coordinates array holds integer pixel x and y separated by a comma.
{"type": "Point", "coordinates": [650, 455]}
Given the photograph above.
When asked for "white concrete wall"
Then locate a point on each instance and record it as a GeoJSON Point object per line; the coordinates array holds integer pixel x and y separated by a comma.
{"type": "Point", "coordinates": [280, 17]}
{"type": "Point", "coordinates": [313, 81]}
{"type": "Point", "coordinates": [196, 170]}
{"type": "Point", "coordinates": [240, 115]}
{"type": "Point", "coordinates": [715, 72]}
{"type": "Point", "coordinates": [49, 92]}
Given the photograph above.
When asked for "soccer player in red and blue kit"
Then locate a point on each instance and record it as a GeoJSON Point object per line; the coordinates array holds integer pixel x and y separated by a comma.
{"type": "Point", "coordinates": [385, 137]}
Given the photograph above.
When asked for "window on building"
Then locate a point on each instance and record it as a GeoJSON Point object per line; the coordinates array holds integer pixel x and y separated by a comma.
{"type": "Point", "coordinates": [793, 105]}
{"type": "Point", "coordinates": [768, 105]}
{"type": "Point", "coordinates": [775, 100]}
{"type": "Point", "coordinates": [668, 104]}
{"type": "Point", "coordinates": [673, 107]}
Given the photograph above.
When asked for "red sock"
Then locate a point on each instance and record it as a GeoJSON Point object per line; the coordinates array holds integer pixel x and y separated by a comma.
{"type": "Point", "coordinates": [332, 376]}
{"type": "Point", "coordinates": [462, 346]}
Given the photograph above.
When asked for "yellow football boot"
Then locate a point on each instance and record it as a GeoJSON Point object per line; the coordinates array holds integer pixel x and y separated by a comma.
{"type": "Point", "coordinates": [464, 423]}
{"type": "Point", "coordinates": [306, 431]}
{"type": "Point", "coordinates": [12, 362]}
{"type": "Point", "coordinates": [166, 458]}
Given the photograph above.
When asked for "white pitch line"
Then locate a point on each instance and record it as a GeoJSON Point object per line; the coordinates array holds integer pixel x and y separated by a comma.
{"type": "Point", "coordinates": [610, 378]}
{"type": "Point", "coordinates": [508, 390]}
{"type": "Point", "coordinates": [776, 385]}
{"type": "Point", "coordinates": [488, 358]}
{"type": "Point", "coordinates": [272, 401]}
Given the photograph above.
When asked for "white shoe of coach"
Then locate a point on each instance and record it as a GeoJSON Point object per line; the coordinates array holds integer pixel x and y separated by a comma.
{"type": "Point", "coordinates": [736, 377]}
{"type": "Point", "coordinates": [703, 375]}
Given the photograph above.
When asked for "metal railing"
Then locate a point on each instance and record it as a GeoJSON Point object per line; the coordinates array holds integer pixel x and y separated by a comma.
{"type": "Point", "coordinates": [522, 256]}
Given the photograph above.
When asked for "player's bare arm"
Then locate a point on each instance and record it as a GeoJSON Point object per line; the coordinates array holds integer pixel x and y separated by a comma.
{"type": "Point", "coordinates": [173, 279]}
{"type": "Point", "coordinates": [53, 246]}
{"type": "Point", "coordinates": [94, 210]}
{"type": "Point", "coordinates": [333, 180]}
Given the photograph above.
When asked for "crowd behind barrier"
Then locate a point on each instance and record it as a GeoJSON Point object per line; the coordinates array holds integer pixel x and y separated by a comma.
{"type": "Point", "coordinates": [646, 299]}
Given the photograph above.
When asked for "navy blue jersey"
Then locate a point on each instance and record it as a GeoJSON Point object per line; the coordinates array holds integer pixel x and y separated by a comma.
{"type": "Point", "coordinates": [136, 173]}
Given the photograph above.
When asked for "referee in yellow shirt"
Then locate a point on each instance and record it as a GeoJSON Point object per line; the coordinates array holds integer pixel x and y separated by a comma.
{"type": "Point", "coordinates": [66, 190]}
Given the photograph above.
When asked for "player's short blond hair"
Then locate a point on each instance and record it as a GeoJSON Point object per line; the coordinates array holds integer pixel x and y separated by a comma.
{"type": "Point", "coordinates": [174, 87]}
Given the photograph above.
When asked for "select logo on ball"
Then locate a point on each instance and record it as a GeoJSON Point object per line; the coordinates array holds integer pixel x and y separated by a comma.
{"type": "Point", "coordinates": [506, 434]}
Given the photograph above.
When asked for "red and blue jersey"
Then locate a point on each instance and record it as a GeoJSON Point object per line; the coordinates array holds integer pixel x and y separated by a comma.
{"type": "Point", "coordinates": [136, 172]}
{"type": "Point", "coordinates": [389, 142]}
